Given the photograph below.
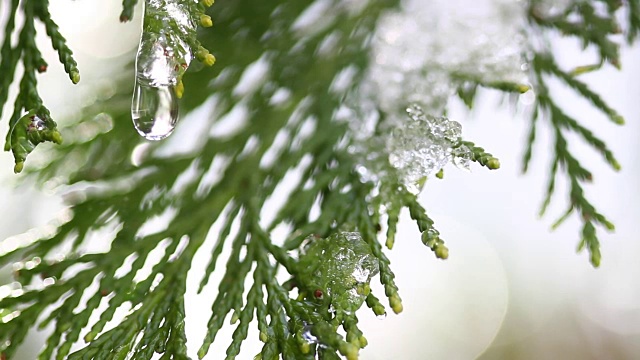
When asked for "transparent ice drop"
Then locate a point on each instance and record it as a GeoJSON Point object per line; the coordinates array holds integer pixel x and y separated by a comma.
{"type": "Point", "coordinates": [154, 111]}
{"type": "Point", "coordinates": [163, 56]}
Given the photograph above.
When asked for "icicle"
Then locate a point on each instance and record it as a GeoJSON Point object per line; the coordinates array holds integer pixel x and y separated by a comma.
{"type": "Point", "coordinates": [163, 56]}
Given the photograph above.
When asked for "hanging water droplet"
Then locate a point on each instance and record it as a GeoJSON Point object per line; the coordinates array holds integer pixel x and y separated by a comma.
{"type": "Point", "coordinates": [382, 317]}
{"type": "Point", "coordinates": [154, 111]}
{"type": "Point", "coordinates": [164, 54]}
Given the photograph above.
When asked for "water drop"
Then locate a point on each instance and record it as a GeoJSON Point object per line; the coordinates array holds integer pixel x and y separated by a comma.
{"type": "Point", "coordinates": [308, 336]}
{"type": "Point", "coordinates": [163, 56]}
{"type": "Point", "coordinates": [36, 124]}
{"type": "Point", "coordinates": [154, 111]}
{"type": "Point", "coordinates": [382, 317]}
{"type": "Point", "coordinates": [347, 266]}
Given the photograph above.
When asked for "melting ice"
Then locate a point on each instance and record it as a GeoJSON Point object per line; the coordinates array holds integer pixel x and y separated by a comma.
{"type": "Point", "coordinates": [423, 145]}
{"type": "Point", "coordinates": [163, 57]}
{"type": "Point", "coordinates": [340, 265]}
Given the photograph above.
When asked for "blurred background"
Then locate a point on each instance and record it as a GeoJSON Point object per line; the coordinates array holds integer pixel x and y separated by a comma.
{"type": "Point", "coordinates": [511, 288]}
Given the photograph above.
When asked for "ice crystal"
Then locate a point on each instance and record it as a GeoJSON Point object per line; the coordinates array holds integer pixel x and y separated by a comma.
{"type": "Point", "coordinates": [423, 145]}
{"type": "Point", "coordinates": [341, 267]}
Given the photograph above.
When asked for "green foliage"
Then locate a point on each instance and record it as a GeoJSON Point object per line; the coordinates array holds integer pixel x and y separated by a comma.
{"type": "Point", "coordinates": [593, 28]}
{"type": "Point", "coordinates": [249, 165]}
{"type": "Point", "coordinates": [23, 138]}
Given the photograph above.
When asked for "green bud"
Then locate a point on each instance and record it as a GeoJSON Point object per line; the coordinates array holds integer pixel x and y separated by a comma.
{"type": "Point", "coordinates": [74, 75]}
{"type": "Point", "coordinates": [349, 350]}
{"type": "Point", "coordinates": [609, 225]}
{"type": "Point", "coordinates": [379, 310]}
{"type": "Point", "coordinates": [442, 252]}
{"type": "Point", "coordinates": [90, 336]}
{"type": "Point", "coordinates": [396, 303]}
{"type": "Point", "coordinates": [440, 174]}
{"type": "Point", "coordinates": [17, 168]}
{"type": "Point", "coordinates": [390, 241]}
{"type": "Point", "coordinates": [616, 165]}
{"type": "Point", "coordinates": [493, 163]}
{"type": "Point", "coordinates": [235, 317]}
{"type": "Point", "coordinates": [618, 119]}
{"type": "Point", "coordinates": [56, 137]}
{"type": "Point", "coordinates": [305, 348]}
{"type": "Point", "coordinates": [522, 88]}
{"type": "Point", "coordinates": [205, 20]}
{"type": "Point", "coordinates": [595, 257]}
{"type": "Point", "coordinates": [584, 69]}
{"type": "Point", "coordinates": [209, 60]}
{"type": "Point", "coordinates": [367, 289]}
{"type": "Point", "coordinates": [363, 341]}
{"type": "Point", "coordinates": [263, 336]}
{"type": "Point", "coordinates": [179, 89]}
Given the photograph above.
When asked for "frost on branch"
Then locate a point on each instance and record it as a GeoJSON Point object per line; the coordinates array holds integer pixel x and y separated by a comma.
{"type": "Point", "coordinates": [339, 269]}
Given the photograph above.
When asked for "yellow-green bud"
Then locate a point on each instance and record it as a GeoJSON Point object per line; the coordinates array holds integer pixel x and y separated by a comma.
{"type": "Point", "coordinates": [584, 69]}
{"type": "Point", "coordinates": [207, 3]}
{"type": "Point", "coordinates": [522, 88]}
{"type": "Point", "coordinates": [235, 317]}
{"type": "Point", "coordinates": [379, 310]}
{"type": "Point", "coordinates": [391, 239]}
{"type": "Point", "coordinates": [18, 167]}
{"type": "Point", "coordinates": [205, 20]}
{"type": "Point", "coordinates": [56, 137]}
{"type": "Point", "coordinates": [442, 252]}
{"type": "Point", "coordinates": [305, 348]}
{"type": "Point", "coordinates": [609, 225]}
{"type": "Point", "coordinates": [363, 341]}
{"type": "Point", "coordinates": [349, 350]}
{"type": "Point", "coordinates": [440, 174]}
{"type": "Point", "coordinates": [618, 119]}
{"type": "Point", "coordinates": [493, 164]}
{"type": "Point", "coordinates": [75, 76]}
{"type": "Point", "coordinates": [263, 336]}
{"type": "Point", "coordinates": [179, 89]}
{"type": "Point", "coordinates": [367, 289]}
{"type": "Point", "coordinates": [90, 336]}
{"type": "Point", "coordinates": [595, 258]}
{"type": "Point", "coordinates": [209, 60]}
{"type": "Point", "coordinates": [396, 303]}
{"type": "Point", "coordinates": [616, 165]}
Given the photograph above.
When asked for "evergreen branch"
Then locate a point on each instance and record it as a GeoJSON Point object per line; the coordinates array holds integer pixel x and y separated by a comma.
{"type": "Point", "coordinates": [589, 28]}
{"type": "Point", "coordinates": [594, 28]}
{"type": "Point", "coordinates": [58, 42]}
{"type": "Point", "coordinates": [542, 65]}
{"type": "Point", "coordinates": [28, 130]}
{"type": "Point", "coordinates": [270, 146]}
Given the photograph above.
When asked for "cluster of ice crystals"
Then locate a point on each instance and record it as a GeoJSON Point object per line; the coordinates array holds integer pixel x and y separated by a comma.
{"type": "Point", "coordinates": [163, 57]}
{"type": "Point", "coordinates": [340, 266]}
{"type": "Point", "coordinates": [423, 145]}
{"type": "Point", "coordinates": [422, 53]}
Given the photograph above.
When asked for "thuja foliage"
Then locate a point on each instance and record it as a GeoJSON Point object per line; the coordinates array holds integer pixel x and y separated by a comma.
{"type": "Point", "coordinates": [217, 188]}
